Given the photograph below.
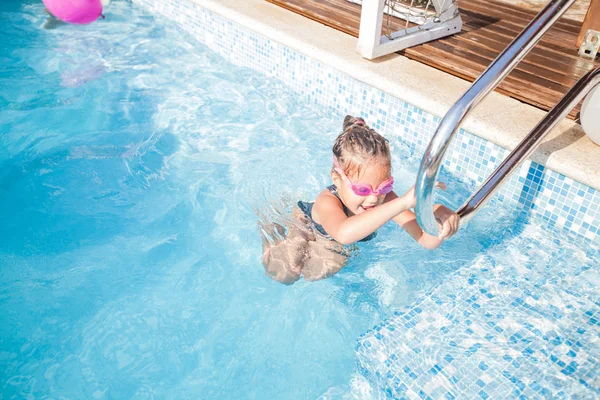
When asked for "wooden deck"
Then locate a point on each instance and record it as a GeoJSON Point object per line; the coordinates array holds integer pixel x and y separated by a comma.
{"type": "Point", "coordinates": [541, 79]}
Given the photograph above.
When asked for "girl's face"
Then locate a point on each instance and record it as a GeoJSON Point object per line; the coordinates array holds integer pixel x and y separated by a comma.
{"type": "Point", "coordinates": [372, 174]}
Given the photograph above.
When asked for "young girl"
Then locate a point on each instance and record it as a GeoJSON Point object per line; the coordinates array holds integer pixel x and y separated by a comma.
{"type": "Point", "coordinates": [351, 210]}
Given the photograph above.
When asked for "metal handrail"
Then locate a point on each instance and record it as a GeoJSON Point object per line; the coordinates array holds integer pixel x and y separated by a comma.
{"type": "Point", "coordinates": [529, 144]}
{"type": "Point", "coordinates": [490, 78]}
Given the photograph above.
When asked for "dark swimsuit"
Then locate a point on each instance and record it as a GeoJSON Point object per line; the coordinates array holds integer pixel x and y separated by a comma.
{"type": "Point", "coordinates": [306, 208]}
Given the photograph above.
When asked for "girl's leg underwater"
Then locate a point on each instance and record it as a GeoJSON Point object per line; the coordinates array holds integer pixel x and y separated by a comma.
{"type": "Point", "coordinates": [283, 258]}
{"type": "Point", "coordinates": [324, 259]}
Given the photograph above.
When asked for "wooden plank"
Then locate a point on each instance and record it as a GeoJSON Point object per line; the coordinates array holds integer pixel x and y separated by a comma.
{"type": "Point", "coordinates": [544, 59]}
{"type": "Point", "coordinates": [514, 13]}
{"type": "Point", "coordinates": [474, 64]}
{"type": "Point", "coordinates": [551, 62]}
{"type": "Point", "coordinates": [591, 21]}
{"type": "Point", "coordinates": [514, 85]}
{"type": "Point", "coordinates": [524, 83]}
{"type": "Point", "coordinates": [487, 56]}
{"type": "Point", "coordinates": [324, 16]}
{"type": "Point", "coordinates": [555, 36]}
{"type": "Point", "coordinates": [540, 79]}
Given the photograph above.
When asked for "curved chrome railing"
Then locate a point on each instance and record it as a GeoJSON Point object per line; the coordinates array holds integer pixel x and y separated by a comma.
{"type": "Point", "coordinates": [490, 78]}
{"type": "Point", "coordinates": [529, 144]}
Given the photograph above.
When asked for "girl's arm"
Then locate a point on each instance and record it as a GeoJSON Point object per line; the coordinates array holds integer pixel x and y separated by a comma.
{"type": "Point", "coordinates": [408, 220]}
{"type": "Point", "coordinates": [345, 230]}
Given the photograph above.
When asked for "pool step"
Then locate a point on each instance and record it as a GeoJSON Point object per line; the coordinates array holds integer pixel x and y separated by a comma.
{"type": "Point", "coordinates": [494, 330]}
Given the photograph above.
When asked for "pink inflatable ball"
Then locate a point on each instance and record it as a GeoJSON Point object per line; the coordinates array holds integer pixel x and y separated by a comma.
{"type": "Point", "coordinates": [75, 11]}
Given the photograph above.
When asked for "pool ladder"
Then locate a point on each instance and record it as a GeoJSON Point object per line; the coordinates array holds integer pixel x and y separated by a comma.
{"type": "Point", "coordinates": [490, 78]}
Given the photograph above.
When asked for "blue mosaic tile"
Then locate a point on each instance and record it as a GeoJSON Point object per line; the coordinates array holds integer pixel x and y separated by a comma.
{"type": "Point", "coordinates": [535, 334]}
{"type": "Point", "coordinates": [544, 194]}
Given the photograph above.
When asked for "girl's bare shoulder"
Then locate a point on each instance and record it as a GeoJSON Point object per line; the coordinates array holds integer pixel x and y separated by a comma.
{"type": "Point", "coordinates": [326, 202]}
{"type": "Point", "coordinates": [326, 196]}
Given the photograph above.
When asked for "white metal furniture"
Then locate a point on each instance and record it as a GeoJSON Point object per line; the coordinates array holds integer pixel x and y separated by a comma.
{"type": "Point", "coordinates": [438, 18]}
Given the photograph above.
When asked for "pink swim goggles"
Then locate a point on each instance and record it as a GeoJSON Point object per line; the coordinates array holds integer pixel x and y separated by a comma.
{"type": "Point", "coordinates": [360, 189]}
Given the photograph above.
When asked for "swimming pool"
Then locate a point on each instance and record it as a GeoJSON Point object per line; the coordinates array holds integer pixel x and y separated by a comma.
{"type": "Point", "coordinates": [135, 164]}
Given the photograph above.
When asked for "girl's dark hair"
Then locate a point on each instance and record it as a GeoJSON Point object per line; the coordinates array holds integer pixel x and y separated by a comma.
{"type": "Point", "coordinates": [359, 143]}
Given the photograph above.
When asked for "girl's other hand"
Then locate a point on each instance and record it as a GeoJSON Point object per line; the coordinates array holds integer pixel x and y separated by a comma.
{"type": "Point", "coordinates": [448, 220]}
{"type": "Point", "coordinates": [440, 185]}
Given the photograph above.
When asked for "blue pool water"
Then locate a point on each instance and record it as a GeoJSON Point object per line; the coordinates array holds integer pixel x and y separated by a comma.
{"type": "Point", "coordinates": [134, 166]}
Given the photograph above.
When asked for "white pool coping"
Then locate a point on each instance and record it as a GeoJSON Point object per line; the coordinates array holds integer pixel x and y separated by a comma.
{"type": "Point", "coordinates": [499, 119]}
